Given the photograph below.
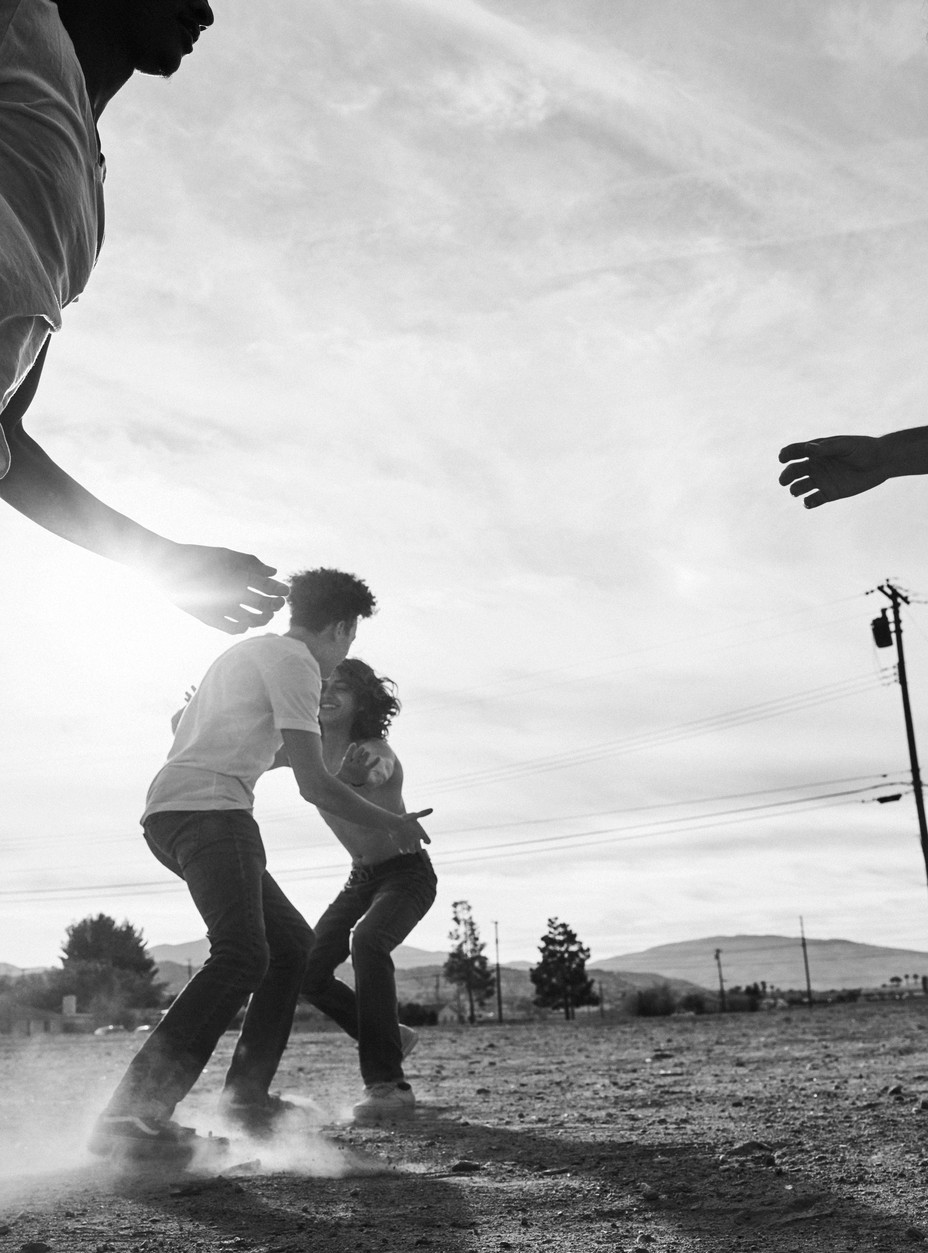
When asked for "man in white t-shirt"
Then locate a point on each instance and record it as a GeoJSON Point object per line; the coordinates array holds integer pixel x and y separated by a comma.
{"type": "Point", "coordinates": [62, 62]}
{"type": "Point", "coordinates": [258, 700]}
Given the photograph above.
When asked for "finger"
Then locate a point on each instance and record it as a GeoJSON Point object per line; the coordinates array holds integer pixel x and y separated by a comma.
{"type": "Point", "coordinates": [813, 501]}
{"type": "Point", "coordinates": [268, 587]}
{"type": "Point", "coordinates": [794, 471]}
{"type": "Point", "coordinates": [248, 618]}
{"type": "Point", "coordinates": [801, 486]}
{"type": "Point", "coordinates": [791, 451]}
{"type": "Point", "coordinates": [252, 618]}
{"type": "Point", "coordinates": [259, 600]}
{"type": "Point", "coordinates": [423, 813]}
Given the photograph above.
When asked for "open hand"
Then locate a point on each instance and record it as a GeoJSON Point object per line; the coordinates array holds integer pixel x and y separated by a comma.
{"type": "Point", "coordinates": [357, 764]}
{"type": "Point", "coordinates": [408, 833]}
{"type": "Point", "coordinates": [224, 589]}
{"type": "Point", "coordinates": [833, 467]}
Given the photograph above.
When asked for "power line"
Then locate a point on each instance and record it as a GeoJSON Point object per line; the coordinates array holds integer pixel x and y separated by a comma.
{"type": "Point", "coordinates": [495, 851]}
{"type": "Point", "coordinates": [615, 835]}
{"type": "Point", "coordinates": [457, 696]}
{"type": "Point", "coordinates": [634, 809]}
{"type": "Point", "coordinates": [673, 734]}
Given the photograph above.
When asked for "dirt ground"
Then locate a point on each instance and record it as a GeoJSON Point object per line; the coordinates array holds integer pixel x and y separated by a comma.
{"type": "Point", "coordinates": [802, 1130]}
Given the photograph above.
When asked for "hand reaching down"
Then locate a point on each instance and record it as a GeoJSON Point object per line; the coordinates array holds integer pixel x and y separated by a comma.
{"type": "Point", "coordinates": [224, 589]}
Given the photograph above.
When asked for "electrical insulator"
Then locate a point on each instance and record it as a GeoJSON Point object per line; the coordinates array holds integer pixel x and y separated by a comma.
{"type": "Point", "coordinates": [882, 635]}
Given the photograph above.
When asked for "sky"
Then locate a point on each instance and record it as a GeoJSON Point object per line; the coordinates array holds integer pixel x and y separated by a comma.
{"type": "Point", "coordinates": [507, 307]}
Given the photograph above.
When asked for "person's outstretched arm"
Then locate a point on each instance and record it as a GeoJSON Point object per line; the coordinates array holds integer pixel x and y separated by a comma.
{"type": "Point", "coordinates": [836, 466]}
{"type": "Point", "coordinates": [228, 590]}
{"type": "Point", "coordinates": [320, 788]}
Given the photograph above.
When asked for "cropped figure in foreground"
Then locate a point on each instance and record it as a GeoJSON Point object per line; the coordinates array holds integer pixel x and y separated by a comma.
{"type": "Point", "coordinates": [61, 65]}
{"type": "Point", "coordinates": [258, 697]}
{"type": "Point", "coordinates": [390, 888]}
{"type": "Point", "coordinates": [827, 469]}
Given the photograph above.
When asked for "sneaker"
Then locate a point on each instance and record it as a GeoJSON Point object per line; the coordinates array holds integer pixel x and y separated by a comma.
{"type": "Point", "coordinates": [408, 1039]}
{"type": "Point", "coordinates": [130, 1137]}
{"type": "Point", "coordinates": [260, 1119]}
{"type": "Point", "coordinates": [385, 1100]}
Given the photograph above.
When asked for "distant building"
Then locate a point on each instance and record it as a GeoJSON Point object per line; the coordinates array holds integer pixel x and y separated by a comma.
{"type": "Point", "coordinates": [447, 1014]}
{"type": "Point", "coordinates": [27, 1020]}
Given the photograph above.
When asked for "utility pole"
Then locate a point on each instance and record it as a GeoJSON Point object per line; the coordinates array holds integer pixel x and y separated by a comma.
{"type": "Point", "coordinates": [718, 961]}
{"type": "Point", "coordinates": [805, 958]}
{"type": "Point", "coordinates": [883, 637]}
{"type": "Point", "coordinates": [499, 988]}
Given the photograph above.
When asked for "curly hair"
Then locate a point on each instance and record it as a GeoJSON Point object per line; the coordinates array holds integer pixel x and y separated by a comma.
{"type": "Point", "coordinates": [375, 697]}
{"type": "Point", "coordinates": [321, 597]}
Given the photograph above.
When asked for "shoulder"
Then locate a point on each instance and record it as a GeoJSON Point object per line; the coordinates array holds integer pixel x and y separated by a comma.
{"type": "Point", "coordinates": [277, 650]}
{"type": "Point", "coordinates": [379, 748]}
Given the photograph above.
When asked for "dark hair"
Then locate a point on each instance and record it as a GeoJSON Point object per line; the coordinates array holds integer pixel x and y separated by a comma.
{"type": "Point", "coordinates": [375, 697]}
{"type": "Point", "coordinates": [319, 598]}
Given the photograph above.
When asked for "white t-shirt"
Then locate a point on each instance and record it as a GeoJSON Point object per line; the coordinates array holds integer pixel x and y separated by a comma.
{"type": "Point", "coordinates": [229, 733]}
{"type": "Point", "coordinates": [51, 186]}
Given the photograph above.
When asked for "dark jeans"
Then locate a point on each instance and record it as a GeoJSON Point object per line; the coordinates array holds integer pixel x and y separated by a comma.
{"type": "Point", "coordinates": [382, 903]}
{"type": "Point", "coordinates": [259, 945]}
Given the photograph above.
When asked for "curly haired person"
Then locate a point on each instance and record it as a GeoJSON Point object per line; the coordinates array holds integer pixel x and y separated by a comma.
{"type": "Point", "coordinates": [390, 888]}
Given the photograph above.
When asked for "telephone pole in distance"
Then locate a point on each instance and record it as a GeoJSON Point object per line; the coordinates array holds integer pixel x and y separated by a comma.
{"type": "Point", "coordinates": [883, 636]}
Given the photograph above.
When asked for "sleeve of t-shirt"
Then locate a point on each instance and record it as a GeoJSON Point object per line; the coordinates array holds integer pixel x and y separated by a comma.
{"type": "Point", "coordinates": [21, 340]}
{"type": "Point", "coordinates": [294, 688]}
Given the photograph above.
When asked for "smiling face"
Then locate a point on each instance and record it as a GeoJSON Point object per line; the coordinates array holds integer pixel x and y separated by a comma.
{"type": "Point", "coordinates": [338, 706]}
{"type": "Point", "coordinates": [158, 34]}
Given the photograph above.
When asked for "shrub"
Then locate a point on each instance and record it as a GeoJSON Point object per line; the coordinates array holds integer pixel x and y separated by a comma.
{"type": "Point", "coordinates": [693, 1002]}
{"type": "Point", "coordinates": [656, 1002]}
{"type": "Point", "coordinates": [412, 1014]}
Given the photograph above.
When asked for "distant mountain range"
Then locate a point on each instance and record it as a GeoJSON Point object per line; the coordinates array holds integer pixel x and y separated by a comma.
{"type": "Point", "coordinates": [774, 959]}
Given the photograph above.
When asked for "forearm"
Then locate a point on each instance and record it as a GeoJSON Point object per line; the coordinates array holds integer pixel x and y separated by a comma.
{"type": "Point", "coordinates": [343, 801]}
{"type": "Point", "coordinates": [44, 493]}
{"type": "Point", "coordinates": [905, 452]}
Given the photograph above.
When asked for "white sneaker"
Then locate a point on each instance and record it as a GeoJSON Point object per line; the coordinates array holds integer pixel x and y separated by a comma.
{"type": "Point", "coordinates": [409, 1039]}
{"type": "Point", "coordinates": [385, 1100]}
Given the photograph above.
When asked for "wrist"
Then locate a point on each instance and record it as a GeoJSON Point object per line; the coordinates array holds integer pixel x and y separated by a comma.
{"type": "Point", "coordinates": [904, 452]}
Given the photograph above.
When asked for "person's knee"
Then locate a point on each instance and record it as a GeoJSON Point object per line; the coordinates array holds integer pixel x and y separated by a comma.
{"type": "Point", "coordinates": [290, 954]}
{"type": "Point", "coordinates": [240, 966]}
{"type": "Point", "coordinates": [370, 941]}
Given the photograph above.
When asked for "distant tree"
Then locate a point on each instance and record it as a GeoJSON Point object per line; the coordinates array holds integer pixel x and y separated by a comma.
{"type": "Point", "coordinates": [467, 965]}
{"type": "Point", "coordinates": [560, 978]}
{"type": "Point", "coordinates": [105, 942]}
{"type": "Point", "coordinates": [412, 1014]}
{"type": "Point", "coordinates": [106, 965]}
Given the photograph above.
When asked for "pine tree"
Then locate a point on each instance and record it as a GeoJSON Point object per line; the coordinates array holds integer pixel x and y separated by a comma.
{"type": "Point", "coordinates": [102, 941]}
{"type": "Point", "coordinates": [560, 977]}
{"type": "Point", "coordinates": [467, 964]}
{"type": "Point", "coordinates": [106, 965]}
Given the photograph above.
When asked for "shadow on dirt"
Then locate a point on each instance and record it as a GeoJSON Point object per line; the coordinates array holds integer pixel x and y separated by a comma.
{"type": "Point", "coordinates": [691, 1187]}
